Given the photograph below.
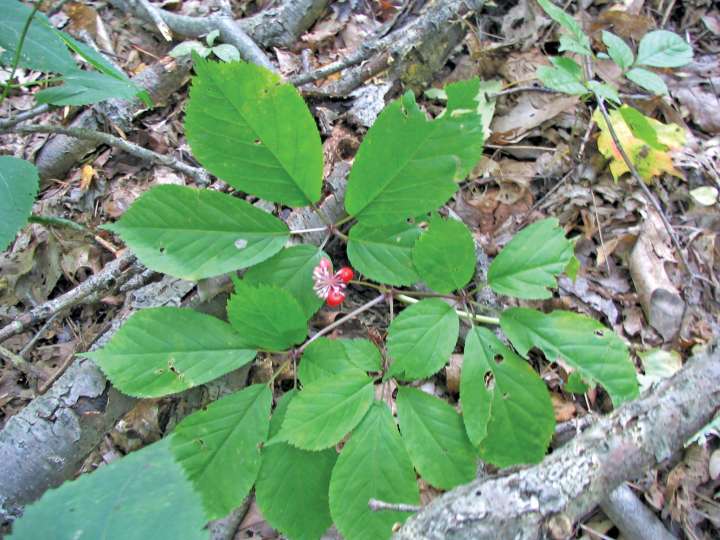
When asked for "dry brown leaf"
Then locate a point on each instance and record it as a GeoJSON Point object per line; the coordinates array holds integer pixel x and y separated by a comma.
{"type": "Point", "coordinates": [564, 410]}
{"type": "Point", "coordinates": [87, 173]}
{"type": "Point", "coordinates": [530, 112]}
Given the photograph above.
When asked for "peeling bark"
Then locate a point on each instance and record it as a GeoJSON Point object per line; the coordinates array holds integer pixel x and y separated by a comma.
{"type": "Point", "coordinates": [545, 500]}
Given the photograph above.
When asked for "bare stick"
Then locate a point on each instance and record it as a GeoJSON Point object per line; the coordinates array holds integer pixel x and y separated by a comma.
{"type": "Point", "coordinates": [113, 275]}
{"type": "Point", "coordinates": [157, 19]}
{"type": "Point", "coordinates": [378, 506]}
{"type": "Point", "coordinates": [21, 117]}
{"type": "Point", "coordinates": [196, 173]}
{"type": "Point", "coordinates": [635, 520]}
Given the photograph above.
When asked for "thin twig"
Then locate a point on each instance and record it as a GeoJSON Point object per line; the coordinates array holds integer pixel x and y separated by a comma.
{"type": "Point", "coordinates": [157, 19]}
{"type": "Point", "coordinates": [329, 328]}
{"type": "Point", "coordinates": [378, 506]}
{"type": "Point", "coordinates": [198, 174]}
{"type": "Point", "coordinates": [21, 117]}
{"type": "Point", "coordinates": [30, 344]}
{"type": "Point", "coordinates": [22, 365]}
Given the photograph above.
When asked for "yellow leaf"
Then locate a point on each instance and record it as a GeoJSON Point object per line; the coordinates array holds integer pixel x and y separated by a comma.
{"type": "Point", "coordinates": [647, 145]}
{"type": "Point", "coordinates": [86, 176]}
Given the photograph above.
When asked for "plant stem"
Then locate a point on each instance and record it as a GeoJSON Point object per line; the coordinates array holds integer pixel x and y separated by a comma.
{"type": "Point", "coordinates": [33, 83]}
{"type": "Point", "coordinates": [342, 321]}
{"type": "Point", "coordinates": [308, 231]}
{"type": "Point", "coordinates": [54, 221]}
{"type": "Point", "coordinates": [21, 42]}
{"type": "Point", "coordinates": [343, 221]}
{"type": "Point", "coordinates": [462, 314]}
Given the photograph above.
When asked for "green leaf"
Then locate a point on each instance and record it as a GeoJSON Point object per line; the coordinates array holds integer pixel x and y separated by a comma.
{"type": "Point", "coordinates": [663, 49]}
{"type": "Point", "coordinates": [165, 350]}
{"type": "Point", "coordinates": [596, 352]}
{"type": "Point", "coordinates": [569, 65]}
{"type": "Point", "coordinates": [267, 317]}
{"type": "Point", "coordinates": [527, 266]}
{"type": "Point", "coordinates": [445, 255]}
{"type": "Point", "coordinates": [41, 50]}
{"type": "Point", "coordinates": [86, 87]}
{"type": "Point", "coordinates": [384, 253]}
{"type": "Point", "coordinates": [255, 132]}
{"type": "Point", "coordinates": [226, 52]}
{"type": "Point", "coordinates": [326, 410]}
{"type": "Point", "coordinates": [194, 234]}
{"type": "Point", "coordinates": [506, 406]}
{"type": "Point", "coordinates": [435, 438]}
{"type": "Point", "coordinates": [219, 447]}
{"type": "Point", "coordinates": [286, 473]}
{"type": "Point", "coordinates": [604, 91]}
{"type": "Point", "coordinates": [648, 80]}
{"type": "Point", "coordinates": [641, 127]}
{"type": "Point", "coordinates": [570, 44]}
{"type": "Point", "coordinates": [408, 165]}
{"type": "Point", "coordinates": [19, 182]}
{"type": "Point", "coordinates": [560, 80]}
{"type": "Point", "coordinates": [566, 21]}
{"type": "Point", "coordinates": [575, 384]}
{"type": "Point", "coordinates": [326, 357]}
{"type": "Point", "coordinates": [618, 50]}
{"type": "Point", "coordinates": [291, 269]}
{"type": "Point", "coordinates": [144, 495]}
{"type": "Point", "coordinates": [373, 465]}
{"type": "Point", "coordinates": [421, 339]}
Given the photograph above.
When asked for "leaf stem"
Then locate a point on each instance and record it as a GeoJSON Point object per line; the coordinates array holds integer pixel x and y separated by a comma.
{"type": "Point", "coordinates": [308, 231]}
{"type": "Point", "coordinates": [21, 42]}
{"type": "Point", "coordinates": [344, 220]}
{"type": "Point", "coordinates": [462, 314]}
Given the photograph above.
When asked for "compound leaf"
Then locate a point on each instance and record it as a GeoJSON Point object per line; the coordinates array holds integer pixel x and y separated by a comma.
{"type": "Point", "coordinates": [19, 182]}
{"type": "Point", "coordinates": [144, 495]}
{"type": "Point", "coordinates": [219, 447]}
{"type": "Point", "coordinates": [255, 132]}
{"type": "Point", "coordinates": [596, 352]}
{"type": "Point", "coordinates": [408, 165]}
{"type": "Point", "coordinates": [527, 266]}
{"type": "Point", "coordinates": [86, 87]}
{"type": "Point", "coordinates": [267, 317]}
{"type": "Point", "coordinates": [445, 255]}
{"type": "Point", "coordinates": [435, 438]}
{"type": "Point", "coordinates": [421, 339]}
{"type": "Point", "coordinates": [373, 465]}
{"type": "Point", "coordinates": [292, 486]}
{"type": "Point", "coordinates": [663, 49]}
{"type": "Point", "coordinates": [291, 269]}
{"type": "Point", "coordinates": [326, 410]}
{"type": "Point", "coordinates": [618, 50]}
{"type": "Point", "coordinates": [197, 233]}
{"type": "Point", "coordinates": [561, 80]}
{"type": "Point", "coordinates": [165, 350]}
{"type": "Point", "coordinates": [581, 41]}
{"type": "Point", "coordinates": [325, 357]}
{"type": "Point", "coordinates": [506, 406]}
{"type": "Point", "coordinates": [384, 253]}
{"type": "Point", "coordinates": [648, 80]}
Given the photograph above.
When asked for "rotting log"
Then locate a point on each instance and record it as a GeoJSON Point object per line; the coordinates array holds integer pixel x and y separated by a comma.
{"type": "Point", "coordinates": [547, 499]}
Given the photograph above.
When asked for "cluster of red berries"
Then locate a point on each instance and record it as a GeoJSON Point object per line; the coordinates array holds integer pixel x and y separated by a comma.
{"type": "Point", "coordinates": [331, 287]}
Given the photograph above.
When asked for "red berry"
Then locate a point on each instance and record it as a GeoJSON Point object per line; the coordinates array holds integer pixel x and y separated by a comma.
{"type": "Point", "coordinates": [345, 273]}
{"type": "Point", "coordinates": [335, 298]}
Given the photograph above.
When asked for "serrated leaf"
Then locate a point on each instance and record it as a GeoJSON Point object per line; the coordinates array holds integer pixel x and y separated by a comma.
{"type": "Point", "coordinates": [226, 52]}
{"type": "Point", "coordinates": [569, 65]}
{"type": "Point", "coordinates": [528, 265]}
{"type": "Point", "coordinates": [144, 495]}
{"type": "Point", "coordinates": [326, 410]}
{"type": "Point", "coordinates": [164, 350]}
{"type": "Point", "coordinates": [292, 486]}
{"type": "Point", "coordinates": [41, 50]}
{"type": "Point", "coordinates": [87, 87]}
{"type": "Point", "coordinates": [408, 165]}
{"type": "Point", "coordinates": [219, 447]}
{"type": "Point", "coordinates": [373, 465]}
{"type": "Point", "coordinates": [648, 80]}
{"type": "Point", "coordinates": [19, 182]}
{"type": "Point", "coordinates": [560, 80]}
{"type": "Point", "coordinates": [618, 50]}
{"type": "Point", "coordinates": [445, 255]}
{"type": "Point", "coordinates": [326, 357]}
{"type": "Point", "coordinates": [384, 253]}
{"type": "Point", "coordinates": [291, 269]}
{"type": "Point", "coordinates": [648, 161]}
{"type": "Point", "coordinates": [255, 132]}
{"type": "Point", "coordinates": [664, 49]}
{"type": "Point", "coordinates": [595, 351]}
{"type": "Point", "coordinates": [604, 91]}
{"type": "Point", "coordinates": [435, 438]}
{"type": "Point", "coordinates": [267, 317]}
{"type": "Point", "coordinates": [194, 234]}
{"type": "Point", "coordinates": [506, 406]}
{"type": "Point", "coordinates": [422, 338]}
{"type": "Point", "coordinates": [566, 21]}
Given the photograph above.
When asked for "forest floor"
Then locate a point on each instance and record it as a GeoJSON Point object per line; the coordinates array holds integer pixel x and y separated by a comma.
{"type": "Point", "coordinates": [541, 160]}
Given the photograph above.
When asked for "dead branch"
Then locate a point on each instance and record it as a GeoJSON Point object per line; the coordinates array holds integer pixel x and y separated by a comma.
{"type": "Point", "coordinates": [548, 498]}
{"type": "Point", "coordinates": [198, 174]}
{"type": "Point", "coordinates": [632, 517]}
{"type": "Point", "coordinates": [23, 116]}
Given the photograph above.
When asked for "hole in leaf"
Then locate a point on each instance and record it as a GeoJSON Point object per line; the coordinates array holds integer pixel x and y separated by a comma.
{"type": "Point", "coordinates": [489, 380]}
{"type": "Point", "coordinates": [499, 359]}
{"type": "Point", "coordinates": [478, 493]}
{"type": "Point", "coordinates": [162, 250]}
{"type": "Point", "coordinates": [241, 243]}
{"type": "Point", "coordinates": [505, 395]}
{"type": "Point", "coordinates": [599, 333]}
{"type": "Point", "coordinates": [257, 141]}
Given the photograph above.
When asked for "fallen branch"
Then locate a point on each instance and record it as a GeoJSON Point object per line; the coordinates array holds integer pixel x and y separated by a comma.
{"type": "Point", "coordinates": [545, 500]}
{"type": "Point", "coordinates": [198, 174]}
{"type": "Point", "coordinates": [634, 520]}
{"type": "Point", "coordinates": [23, 116]}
